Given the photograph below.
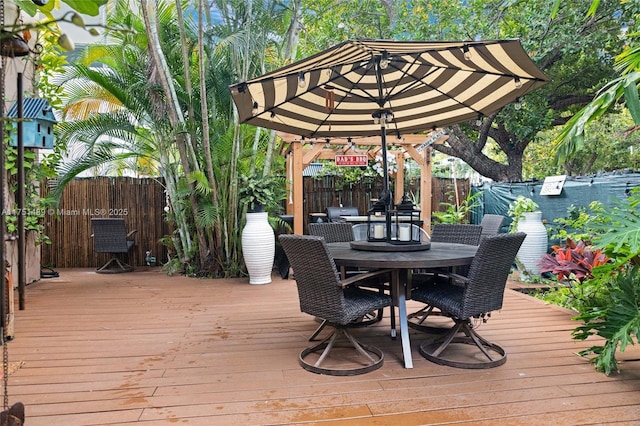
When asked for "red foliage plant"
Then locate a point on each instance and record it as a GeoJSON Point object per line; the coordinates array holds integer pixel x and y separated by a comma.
{"type": "Point", "coordinates": [572, 262]}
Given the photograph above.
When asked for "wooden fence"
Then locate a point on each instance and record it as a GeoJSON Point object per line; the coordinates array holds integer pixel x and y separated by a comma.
{"type": "Point", "coordinates": [320, 193]}
{"type": "Point", "coordinates": [141, 203]}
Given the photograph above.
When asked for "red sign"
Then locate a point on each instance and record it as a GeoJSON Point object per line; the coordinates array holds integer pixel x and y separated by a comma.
{"type": "Point", "coordinates": [351, 160]}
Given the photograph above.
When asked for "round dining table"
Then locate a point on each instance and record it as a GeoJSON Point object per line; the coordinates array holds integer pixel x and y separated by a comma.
{"type": "Point", "coordinates": [401, 263]}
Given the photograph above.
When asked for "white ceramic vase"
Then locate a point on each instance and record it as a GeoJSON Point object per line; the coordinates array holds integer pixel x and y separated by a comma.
{"type": "Point", "coordinates": [535, 243]}
{"type": "Point", "coordinates": [258, 248]}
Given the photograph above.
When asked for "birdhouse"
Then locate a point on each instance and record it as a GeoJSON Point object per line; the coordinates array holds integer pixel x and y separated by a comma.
{"type": "Point", "coordinates": [37, 127]}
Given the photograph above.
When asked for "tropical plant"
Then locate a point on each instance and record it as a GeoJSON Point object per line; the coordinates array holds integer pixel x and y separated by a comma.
{"type": "Point", "coordinates": [458, 213]}
{"type": "Point", "coordinates": [517, 209]}
{"type": "Point", "coordinates": [345, 177]}
{"type": "Point", "coordinates": [608, 300]}
{"type": "Point", "coordinates": [262, 193]}
{"type": "Point", "coordinates": [573, 262]}
{"type": "Point", "coordinates": [616, 319]}
{"type": "Point", "coordinates": [579, 224]}
{"type": "Point", "coordinates": [623, 87]}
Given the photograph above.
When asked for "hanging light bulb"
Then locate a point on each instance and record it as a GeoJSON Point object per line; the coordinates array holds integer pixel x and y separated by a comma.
{"type": "Point", "coordinates": [517, 82]}
{"type": "Point", "coordinates": [384, 60]}
{"type": "Point", "coordinates": [518, 104]}
{"type": "Point", "coordinates": [466, 53]}
{"type": "Point", "coordinates": [301, 80]}
{"type": "Point", "coordinates": [254, 109]}
{"type": "Point", "coordinates": [479, 120]}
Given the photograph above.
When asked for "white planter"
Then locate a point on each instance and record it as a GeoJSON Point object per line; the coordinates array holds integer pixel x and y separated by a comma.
{"type": "Point", "coordinates": [258, 248]}
{"type": "Point", "coordinates": [535, 244]}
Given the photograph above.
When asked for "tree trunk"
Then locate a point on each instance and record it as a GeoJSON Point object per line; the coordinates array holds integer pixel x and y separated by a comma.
{"type": "Point", "coordinates": [174, 112]}
{"type": "Point", "coordinates": [461, 146]}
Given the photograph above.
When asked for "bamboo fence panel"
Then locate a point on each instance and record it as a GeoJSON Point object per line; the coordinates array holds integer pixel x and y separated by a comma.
{"type": "Point", "coordinates": [140, 202]}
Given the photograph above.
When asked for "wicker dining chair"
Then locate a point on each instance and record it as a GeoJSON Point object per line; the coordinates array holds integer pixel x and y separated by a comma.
{"type": "Point", "coordinates": [340, 302]}
{"type": "Point", "coordinates": [491, 224]}
{"type": "Point", "coordinates": [333, 232]}
{"type": "Point", "coordinates": [471, 304]}
{"type": "Point", "coordinates": [338, 232]}
{"type": "Point", "coordinates": [442, 233]}
{"type": "Point", "coordinates": [459, 233]}
{"type": "Point", "coordinates": [110, 236]}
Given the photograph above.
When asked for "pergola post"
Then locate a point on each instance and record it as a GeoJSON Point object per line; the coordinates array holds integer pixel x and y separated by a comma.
{"type": "Point", "coordinates": [298, 186]}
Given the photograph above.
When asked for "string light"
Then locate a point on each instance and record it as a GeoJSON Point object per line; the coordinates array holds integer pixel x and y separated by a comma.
{"type": "Point", "coordinates": [518, 104]}
{"type": "Point", "coordinates": [384, 60]}
{"type": "Point", "coordinates": [466, 53]}
{"type": "Point", "coordinates": [517, 82]}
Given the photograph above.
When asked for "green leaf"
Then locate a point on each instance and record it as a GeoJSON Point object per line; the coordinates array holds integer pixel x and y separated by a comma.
{"type": "Point", "coordinates": [554, 10]}
{"type": "Point", "coordinates": [87, 7]}
{"type": "Point", "coordinates": [633, 103]}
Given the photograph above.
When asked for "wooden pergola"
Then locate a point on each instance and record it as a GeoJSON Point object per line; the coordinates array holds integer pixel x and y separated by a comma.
{"type": "Point", "coordinates": [301, 152]}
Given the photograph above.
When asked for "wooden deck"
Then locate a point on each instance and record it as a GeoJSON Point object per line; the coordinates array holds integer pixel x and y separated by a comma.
{"type": "Point", "coordinates": [144, 348]}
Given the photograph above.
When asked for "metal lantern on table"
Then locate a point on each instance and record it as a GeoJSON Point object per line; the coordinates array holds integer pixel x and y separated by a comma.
{"type": "Point", "coordinates": [405, 216]}
{"type": "Point", "coordinates": [376, 223]}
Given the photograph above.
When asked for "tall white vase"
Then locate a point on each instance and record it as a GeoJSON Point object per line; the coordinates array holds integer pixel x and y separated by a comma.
{"type": "Point", "coordinates": [535, 244]}
{"type": "Point", "coordinates": [258, 248]}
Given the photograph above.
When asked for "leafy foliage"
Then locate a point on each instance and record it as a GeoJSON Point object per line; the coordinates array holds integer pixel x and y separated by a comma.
{"type": "Point", "coordinates": [518, 207]}
{"type": "Point", "coordinates": [607, 299]}
{"type": "Point", "coordinates": [262, 192]}
{"type": "Point", "coordinates": [620, 233]}
{"type": "Point", "coordinates": [579, 224]}
{"type": "Point", "coordinates": [573, 262]}
{"type": "Point", "coordinates": [458, 213]}
{"type": "Point", "coordinates": [617, 320]}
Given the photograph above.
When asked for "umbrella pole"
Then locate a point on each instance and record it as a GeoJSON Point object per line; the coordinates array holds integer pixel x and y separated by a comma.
{"type": "Point", "coordinates": [386, 193]}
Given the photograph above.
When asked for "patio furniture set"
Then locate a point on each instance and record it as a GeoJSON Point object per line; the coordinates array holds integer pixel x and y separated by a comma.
{"type": "Point", "coordinates": [460, 278]}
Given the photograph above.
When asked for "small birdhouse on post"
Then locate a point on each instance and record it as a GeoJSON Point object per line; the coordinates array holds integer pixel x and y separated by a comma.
{"type": "Point", "coordinates": [37, 125]}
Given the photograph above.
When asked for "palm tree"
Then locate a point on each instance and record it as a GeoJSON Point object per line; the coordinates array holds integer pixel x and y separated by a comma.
{"type": "Point", "coordinates": [147, 110]}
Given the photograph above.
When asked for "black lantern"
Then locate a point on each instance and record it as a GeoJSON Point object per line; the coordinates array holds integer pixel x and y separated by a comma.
{"type": "Point", "coordinates": [377, 223]}
{"type": "Point", "coordinates": [406, 220]}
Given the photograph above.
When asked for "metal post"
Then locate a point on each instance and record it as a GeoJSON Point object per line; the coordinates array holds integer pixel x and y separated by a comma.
{"type": "Point", "coordinates": [20, 196]}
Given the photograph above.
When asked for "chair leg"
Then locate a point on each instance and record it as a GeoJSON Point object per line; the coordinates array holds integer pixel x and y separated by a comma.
{"type": "Point", "coordinates": [120, 267]}
{"type": "Point", "coordinates": [373, 358]}
{"type": "Point", "coordinates": [423, 314]}
{"type": "Point", "coordinates": [323, 323]}
{"type": "Point", "coordinates": [435, 350]}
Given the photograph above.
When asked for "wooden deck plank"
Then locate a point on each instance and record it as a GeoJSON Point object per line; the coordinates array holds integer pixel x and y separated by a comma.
{"type": "Point", "coordinates": [145, 348]}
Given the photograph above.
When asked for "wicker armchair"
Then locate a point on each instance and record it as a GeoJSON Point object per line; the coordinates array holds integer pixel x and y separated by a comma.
{"type": "Point", "coordinates": [456, 233]}
{"type": "Point", "coordinates": [491, 224]}
{"type": "Point", "coordinates": [481, 292]}
{"type": "Point", "coordinates": [110, 236]}
{"type": "Point", "coordinates": [338, 232]}
{"type": "Point", "coordinates": [333, 232]}
{"type": "Point", "coordinates": [340, 302]}
{"type": "Point", "coordinates": [442, 233]}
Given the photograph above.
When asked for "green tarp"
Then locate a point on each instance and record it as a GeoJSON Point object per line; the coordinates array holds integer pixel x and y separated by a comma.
{"type": "Point", "coordinates": [577, 191]}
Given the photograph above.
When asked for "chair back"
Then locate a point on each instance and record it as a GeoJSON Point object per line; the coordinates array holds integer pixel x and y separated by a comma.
{"type": "Point", "coordinates": [488, 274]}
{"type": "Point", "coordinates": [333, 232]}
{"type": "Point", "coordinates": [360, 232]}
{"type": "Point", "coordinates": [319, 288]}
{"type": "Point", "coordinates": [491, 224]}
{"type": "Point", "coordinates": [110, 235]}
{"type": "Point", "coordinates": [456, 233]}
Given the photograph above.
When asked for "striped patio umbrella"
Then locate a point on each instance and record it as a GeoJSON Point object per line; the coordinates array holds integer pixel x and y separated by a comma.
{"type": "Point", "coordinates": [371, 87]}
